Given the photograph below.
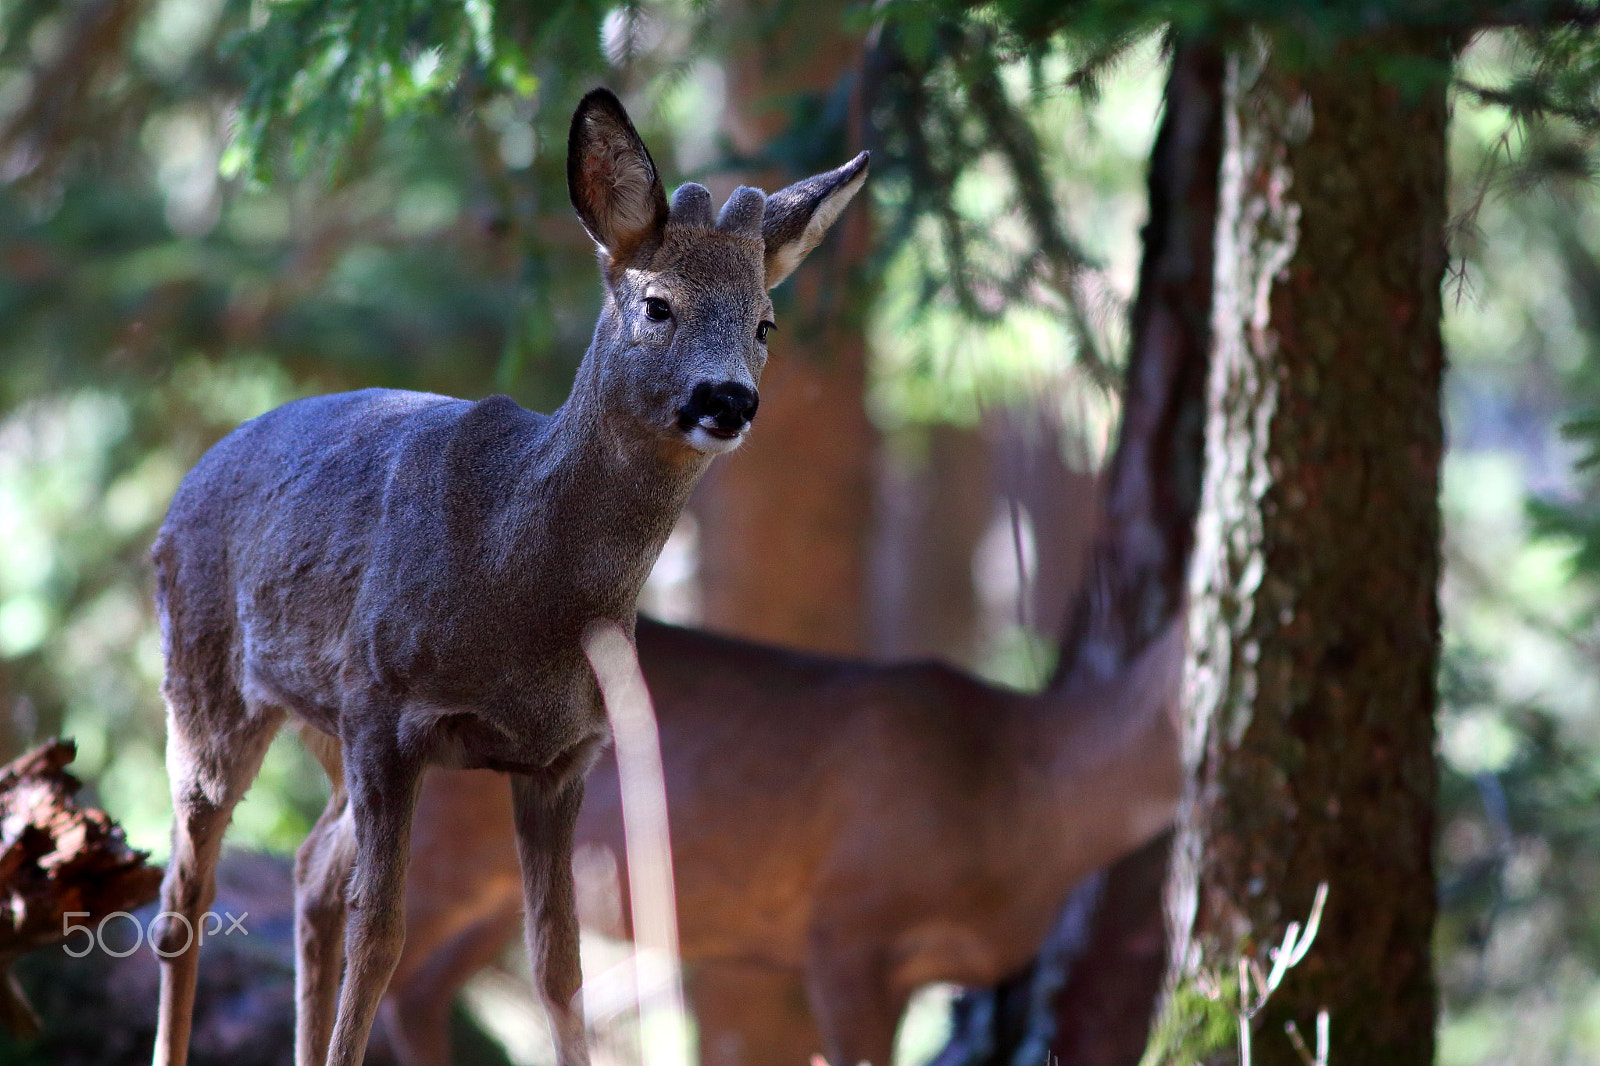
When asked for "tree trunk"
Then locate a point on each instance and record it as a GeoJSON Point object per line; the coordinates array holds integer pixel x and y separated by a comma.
{"type": "Point", "coordinates": [1088, 997]}
{"type": "Point", "coordinates": [935, 509]}
{"type": "Point", "coordinates": [1314, 626]}
{"type": "Point", "coordinates": [785, 520]}
{"type": "Point", "coordinates": [931, 513]}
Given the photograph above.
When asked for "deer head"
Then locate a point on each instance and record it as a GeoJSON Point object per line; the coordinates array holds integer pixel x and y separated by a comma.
{"type": "Point", "coordinates": [682, 336]}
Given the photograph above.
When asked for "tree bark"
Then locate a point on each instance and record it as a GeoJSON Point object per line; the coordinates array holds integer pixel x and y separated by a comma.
{"type": "Point", "coordinates": [785, 521]}
{"type": "Point", "coordinates": [1314, 625]}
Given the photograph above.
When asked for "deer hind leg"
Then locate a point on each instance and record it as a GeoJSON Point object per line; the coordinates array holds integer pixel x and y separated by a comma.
{"type": "Point", "coordinates": [321, 873]}
{"type": "Point", "coordinates": [545, 822]}
{"type": "Point", "coordinates": [214, 748]}
{"type": "Point", "coordinates": [381, 784]}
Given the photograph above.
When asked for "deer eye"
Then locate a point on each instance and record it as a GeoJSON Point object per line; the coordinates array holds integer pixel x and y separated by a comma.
{"type": "Point", "coordinates": [656, 309]}
{"type": "Point", "coordinates": [762, 331]}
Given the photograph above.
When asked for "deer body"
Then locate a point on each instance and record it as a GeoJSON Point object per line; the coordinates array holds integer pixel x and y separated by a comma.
{"type": "Point", "coordinates": [869, 829]}
{"type": "Point", "coordinates": [410, 577]}
{"type": "Point", "coordinates": [437, 579]}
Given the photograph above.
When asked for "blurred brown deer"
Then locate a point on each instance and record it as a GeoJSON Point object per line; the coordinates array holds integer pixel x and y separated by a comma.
{"type": "Point", "coordinates": [869, 829]}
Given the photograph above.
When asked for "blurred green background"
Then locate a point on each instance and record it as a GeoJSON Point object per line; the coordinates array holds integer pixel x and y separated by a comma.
{"type": "Point", "coordinates": [169, 266]}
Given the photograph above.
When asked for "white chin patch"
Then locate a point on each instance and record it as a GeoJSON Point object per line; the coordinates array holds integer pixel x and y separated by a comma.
{"type": "Point", "coordinates": [702, 441]}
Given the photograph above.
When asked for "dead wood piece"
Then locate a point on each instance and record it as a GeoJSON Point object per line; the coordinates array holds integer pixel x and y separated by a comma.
{"type": "Point", "coordinates": [60, 865]}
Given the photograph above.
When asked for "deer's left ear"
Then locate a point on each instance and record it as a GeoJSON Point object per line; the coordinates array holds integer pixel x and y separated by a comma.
{"type": "Point", "coordinates": [798, 217]}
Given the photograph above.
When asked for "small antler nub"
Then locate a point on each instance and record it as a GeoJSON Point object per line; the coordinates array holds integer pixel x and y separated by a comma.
{"type": "Point", "coordinates": [741, 215]}
{"type": "Point", "coordinates": [691, 206]}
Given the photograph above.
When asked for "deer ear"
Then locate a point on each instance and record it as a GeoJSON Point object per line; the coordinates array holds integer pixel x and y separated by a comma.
{"type": "Point", "coordinates": [612, 179]}
{"type": "Point", "coordinates": [798, 217]}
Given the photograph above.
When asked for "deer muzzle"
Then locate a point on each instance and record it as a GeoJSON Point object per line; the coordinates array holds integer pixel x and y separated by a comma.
{"type": "Point", "coordinates": [718, 413]}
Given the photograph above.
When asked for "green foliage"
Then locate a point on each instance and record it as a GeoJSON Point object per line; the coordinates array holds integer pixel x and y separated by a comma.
{"type": "Point", "coordinates": [984, 303]}
{"type": "Point", "coordinates": [1584, 430]}
{"type": "Point", "coordinates": [1555, 81]}
{"type": "Point", "coordinates": [1321, 26]}
{"type": "Point", "coordinates": [321, 75]}
{"type": "Point", "coordinates": [322, 78]}
{"type": "Point", "coordinates": [952, 124]}
{"type": "Point", "coordinates": [959, 105]}
{"type": "Point", "coordinates": [1197, 1021]}
{"type": "Point", "coordinates": [1517, 944]}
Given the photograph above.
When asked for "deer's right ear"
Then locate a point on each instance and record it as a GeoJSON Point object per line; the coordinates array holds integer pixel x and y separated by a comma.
{"type": "Point", "coordinates": [612, 179]}
{"type": "Point", "coordinates": [796, 219]}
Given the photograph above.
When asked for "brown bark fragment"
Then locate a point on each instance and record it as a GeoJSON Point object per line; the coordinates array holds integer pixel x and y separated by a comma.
{"type": "Point", "coordinates": [56, 858]}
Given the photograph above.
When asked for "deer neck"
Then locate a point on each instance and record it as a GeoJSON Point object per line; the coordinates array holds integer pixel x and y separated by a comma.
{"type": "Point", "coordinates": [618, 487]}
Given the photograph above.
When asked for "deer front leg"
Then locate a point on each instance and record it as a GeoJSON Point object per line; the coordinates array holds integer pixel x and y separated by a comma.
{"type": "Point", "coordinates": [381, 782]}
{"type": "Point", "coordinates": [321, 874]}
{"type": "Point", "coordinates": [210, 768]}
{"type": "Point", "coordinates": [751, 1015]}
{"type": "Point", "coordinates": [544, 821]}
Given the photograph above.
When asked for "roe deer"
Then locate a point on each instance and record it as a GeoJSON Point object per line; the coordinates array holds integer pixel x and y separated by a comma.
{"type": "Point", "coordinates": [868, 828]}
{"type": "Point", "coordinates": [410, 576]}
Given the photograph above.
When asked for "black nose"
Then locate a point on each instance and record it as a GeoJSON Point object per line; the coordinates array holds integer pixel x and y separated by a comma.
{"type": "Point", "coordinates": [730, 406]}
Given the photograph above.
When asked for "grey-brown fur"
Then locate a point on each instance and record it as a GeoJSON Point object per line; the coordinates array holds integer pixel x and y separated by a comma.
{"type": "Point", "coordinates": [409, 576]}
